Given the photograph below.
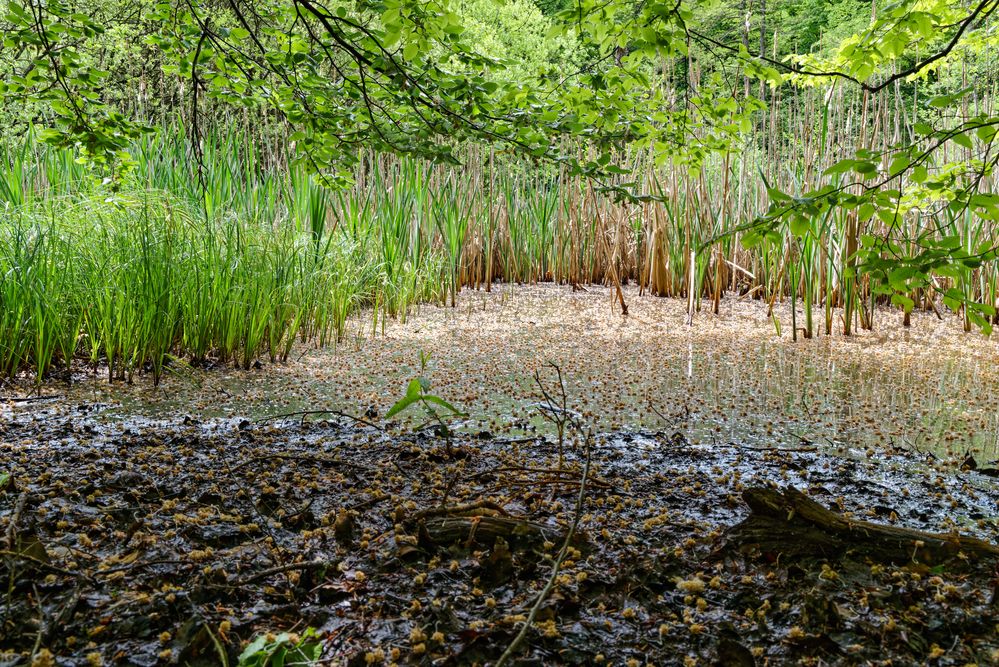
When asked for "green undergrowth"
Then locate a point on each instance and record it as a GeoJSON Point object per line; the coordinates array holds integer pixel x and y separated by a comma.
{"type": "Point", "coordinates": [142, 279]}
{"type": "Point", "coordinates": [231, 272]}
{"type": "Point", "coordinates": [235, 253]}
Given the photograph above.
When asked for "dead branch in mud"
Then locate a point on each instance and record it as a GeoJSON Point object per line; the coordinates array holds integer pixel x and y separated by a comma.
{"type": "Point", "coordinates": [467, 509]}
{"type": "Point", "coordinates": [11, 532]}
{"type": "Point", "coordinates": [288, 567]}
{"type": "Point", "coordinates": [788, 522]}
{"type": "Point", "coordinates": [518, 533]}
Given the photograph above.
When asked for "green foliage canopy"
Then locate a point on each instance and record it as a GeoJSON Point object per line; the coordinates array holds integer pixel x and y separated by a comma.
{"type": "Point", "coordinates": [422, 77]}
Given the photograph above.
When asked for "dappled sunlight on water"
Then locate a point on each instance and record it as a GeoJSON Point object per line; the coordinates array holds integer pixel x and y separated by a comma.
{"type": "Point", "coordinates": [728, 377]}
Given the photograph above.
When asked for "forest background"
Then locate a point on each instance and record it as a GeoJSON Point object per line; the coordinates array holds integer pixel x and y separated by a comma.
{"type": "Point", "coordinates": [216, 180]}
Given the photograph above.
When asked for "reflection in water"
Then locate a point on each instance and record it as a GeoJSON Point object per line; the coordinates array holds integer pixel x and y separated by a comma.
{"type": "Point", "coordinates": [727, 378]}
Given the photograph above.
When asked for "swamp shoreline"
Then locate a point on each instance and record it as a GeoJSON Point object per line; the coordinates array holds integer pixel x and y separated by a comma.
{"type": "Point", "coordinates": [171, 543]}
{"type": "Point", "coordinates": [172, 526]}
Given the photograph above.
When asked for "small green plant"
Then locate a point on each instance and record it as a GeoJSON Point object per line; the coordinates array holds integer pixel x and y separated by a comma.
{"type": "Point", "coordinates": [417, 392]}
{"type": "Point", "coordinates": [282, 650]}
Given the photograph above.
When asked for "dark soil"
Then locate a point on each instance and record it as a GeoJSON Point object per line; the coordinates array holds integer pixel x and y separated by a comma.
{"type": "Point", "coordinates": [152, 543]}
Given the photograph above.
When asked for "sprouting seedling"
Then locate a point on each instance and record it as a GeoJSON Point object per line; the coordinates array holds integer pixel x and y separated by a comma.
{"type": "Point", "coordinates": [284, 649]}
{"type": "Point", "coordinates": [417, 392]}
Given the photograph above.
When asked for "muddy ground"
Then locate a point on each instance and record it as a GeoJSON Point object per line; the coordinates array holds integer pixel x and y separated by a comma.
{"type": "Point", "coordinates": [177, 541]}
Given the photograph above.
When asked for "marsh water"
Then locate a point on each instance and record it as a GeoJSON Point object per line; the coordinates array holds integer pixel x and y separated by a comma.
{"type": "Point", "coordinates": [153, 512]}
{"type": "Point", "coordinates": [726, 378]}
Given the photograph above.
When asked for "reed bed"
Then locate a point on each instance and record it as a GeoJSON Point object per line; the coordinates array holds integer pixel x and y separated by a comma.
{"type": "Point", "coordinates": [163, 273]}
{"type": "Point", "coordinates": [245, 255]}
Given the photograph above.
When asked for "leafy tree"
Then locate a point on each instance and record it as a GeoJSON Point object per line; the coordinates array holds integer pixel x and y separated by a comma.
{"type": "Point", "coordinates": [665, 79]}
{"type": "Point", "coordinates": [518, 34]}
{"type": "Point", "coordinates": [907, 42]}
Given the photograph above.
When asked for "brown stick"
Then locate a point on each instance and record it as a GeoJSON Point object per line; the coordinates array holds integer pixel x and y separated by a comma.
{"type": "Point", "coordinates": [787, 521]}
{"type": "Point", "coordinates": [514, 646]}
{"type": "Point", "coordinates": [289, 567]}
{"type": "Point", "coordinates": [458, 510]}
{"type": "Point", "coordinates": [11, 532]}
{"type": "Point", "coordinates": [38, 562]}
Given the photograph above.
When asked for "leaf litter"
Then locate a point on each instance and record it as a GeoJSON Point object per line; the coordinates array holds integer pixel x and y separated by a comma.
{"type": "Point", "coordinates": [129, 539]}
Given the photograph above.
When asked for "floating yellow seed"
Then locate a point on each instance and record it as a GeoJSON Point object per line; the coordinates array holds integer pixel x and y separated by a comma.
{"type": "Point", "coordinates": [691, 586]}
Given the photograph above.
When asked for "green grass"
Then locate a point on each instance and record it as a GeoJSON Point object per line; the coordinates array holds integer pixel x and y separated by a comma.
{"type": "Point", "coordinates": [161, 272]}
{"type": "Point", "coordinates": [133, 283]}
{"type": "Point", "coordinates": [240, 259]}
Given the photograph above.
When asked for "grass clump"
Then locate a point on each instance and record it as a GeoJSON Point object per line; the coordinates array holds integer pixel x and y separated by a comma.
{"type": "Point", "coordinates": [136, 281]}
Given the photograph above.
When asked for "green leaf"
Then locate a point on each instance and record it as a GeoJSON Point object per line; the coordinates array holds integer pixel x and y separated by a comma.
{"type": "Point", "coordinates": [904, 301]}
{"type": "Point", "coordinates": [986, 134]}
{"type": "Point", "coordinates": [841, 167]}
{"type": "Point", "coordinates": [962, 139]}
{"type": "Point", "coordinates": [799, 225]}
{"type": "Point", "coordinates": [253, 648]}
{"type": "Point", "coordinates": [864, 167]}
{"type": "Point", "coordinates": [17, 14]}
{"type": "Point", "coordinates": [777, 196]}
{"type": "Point", "coordinates": [437, 400]}
{"type": "Point", "coordinates": [401, 405]}
{"type": "Point", "coordinates": [414, 388]}
{"type": "Point", "coordinates": [751, 239]}
{"type": "Point", "coordinates": [865, 212]}
{"type": "Point", "coordinates": [899, 164]}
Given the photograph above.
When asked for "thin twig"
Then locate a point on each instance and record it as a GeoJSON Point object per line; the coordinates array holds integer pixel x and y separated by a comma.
{"type": "Point", "coordinates": [38, 562]}
{"type": "Point", "coordinates": [546, 591]}
{"type": "Point", "coordinates": [306, 413]}
{"type": "Point", "coordinates": [11, 532]}
{"type": "Point", "coordinates": [556, 412]}
{"type": "Point", "coordinates": [288, 567]}
{"type": "Point", "coordinates": [143, 564]}
{"type": "Point", "coordinates": [219, 649]}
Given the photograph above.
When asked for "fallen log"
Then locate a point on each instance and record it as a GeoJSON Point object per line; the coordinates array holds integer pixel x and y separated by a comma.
{"type": "Point", "coordinates": [788, 523]}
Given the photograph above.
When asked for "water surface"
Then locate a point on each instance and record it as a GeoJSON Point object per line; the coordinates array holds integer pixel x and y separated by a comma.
{"type": "Point", "coordinates": [729, 377]}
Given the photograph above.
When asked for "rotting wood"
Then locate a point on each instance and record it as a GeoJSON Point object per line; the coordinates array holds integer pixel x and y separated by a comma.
{"type": "Point", "coordinates": [787, 522]}
{"type": "Point", "coordinates": [478, 508]}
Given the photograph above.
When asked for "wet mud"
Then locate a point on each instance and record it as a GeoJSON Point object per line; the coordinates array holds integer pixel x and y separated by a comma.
{"type": "Point", "coordinates": [180, 540]}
